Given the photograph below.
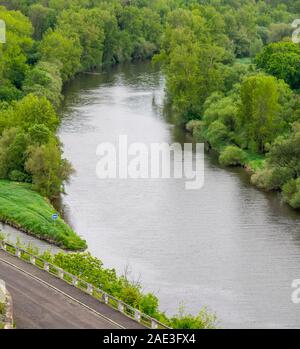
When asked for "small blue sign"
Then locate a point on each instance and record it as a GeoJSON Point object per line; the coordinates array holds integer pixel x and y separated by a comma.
{"type": "Point", "coordinates": [55, 217]}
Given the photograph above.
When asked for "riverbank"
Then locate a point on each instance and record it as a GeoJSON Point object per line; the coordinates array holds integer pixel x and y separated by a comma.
{"type": "Point", "coordinates": [230, 155]}
{"type": "Point", "coordinates": [24, 209]}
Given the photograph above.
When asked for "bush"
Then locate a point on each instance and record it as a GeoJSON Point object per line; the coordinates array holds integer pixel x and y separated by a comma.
{"type": "Point", "coordinates": [185, 321]}
{"type": "Point", "coordinates": [91, 270]}
{"type": "Point", "coordinates": [149, 305]}
{"type": "Point", "coordinates": [217, 135]}
{"type": "Point", "coordinates": [9, 93]}
{"type": "Point", "coordinates": [271, 178]}
{"type": "Point", "coordinates": [291, 193]}
{"type": "Point", "coordinates": [195, 127]}
{"type": "Point", "coordinates": [232, 156]}
{"type": "Point", "coordinates": [18, 176]}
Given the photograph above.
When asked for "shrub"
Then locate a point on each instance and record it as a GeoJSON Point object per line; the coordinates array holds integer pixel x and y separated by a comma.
{"type": "Point", "coordinates": [271, 178]}
{"type": "Point", "coordinates": [91, 269]}
{"type": "Point", "coordinates": [18, 176]}
{"type": "Point", "coordinates": [185, 321]}
{"type": "Point", "coordinates": [9, 93]}
{"type": "Point", "coordinates": [149, 305]}
{"type": "Point", "coordinates": [217, 134]}
{"type": "Point", "coordinates": [232, 156]}
{"type": "Point", "coordinates": [291, 193]}
{"type": "Point", "coordinates": [195, 127]}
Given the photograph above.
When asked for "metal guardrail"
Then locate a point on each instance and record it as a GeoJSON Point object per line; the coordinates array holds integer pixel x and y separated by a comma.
{"type": "Point", "coordinates": [97, 293]}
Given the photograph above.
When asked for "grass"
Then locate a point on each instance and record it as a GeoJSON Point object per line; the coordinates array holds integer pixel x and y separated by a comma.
{"type": "Point", "coordinates": [28, 211]}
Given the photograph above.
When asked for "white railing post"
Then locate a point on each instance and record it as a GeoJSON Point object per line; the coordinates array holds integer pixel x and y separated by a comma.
{"type": "Point", "coordinates": [121, 307]}
{"type": "Point", "coordinates": [74, 281]}
{"type": "Point", "coordinates": [18, 252]}
{"type": "Point", "coordinates": [61, 274]}
{"type": "Point", "coordinates": [154, 324]}
{"type": "Point", "coordinates": [137, 315]}
{"type": "Point", "coordinates": [105, 298]}
{"type": "Point", "coordinates": [90, 289]}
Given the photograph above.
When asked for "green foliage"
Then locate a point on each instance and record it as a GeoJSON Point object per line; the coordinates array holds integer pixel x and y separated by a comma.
{"type": "Point", "coordinates": [192, 64]}
{"type": "Point", "coordinates": [62, 50]}
{"type": "Point", "coordinates": [91, 270]}
{"type": "Point", "coordinates": [232, 156]}
{"type": "Point", "coordinates": [27, 210]}
{"type": "Point", "coordinates": [13, 146]}
{"type": "Point", "coordinates": [42, 18]}
{"type": "Point", "coordinates": [185, 321]}
{"type": "Point", "coordinates": [283, 61]}
{"type": "Point", "coordinates": [282, 169]}
{"type": "Point", "coordinates": [9, 93]}
{"type": "Point", "coordinates": [291, 193]}
{"type": "Point", "coordinates": [196, 128]}
{"type": "Point", "coordinates": [47, 168]}
{"type": "Point", "coordinates": [30, 152]}
{"type": "Point", "coordinates": [44, 80]}
{"type": "Point", "coordinates": [32, 110]}
{"type": "Point", "coordinates": [285, 152]}
{"type": "Point", "coordinates": [14, 54]}
{"type": "Point", "coordinates": [217, 134]}
{"type": "Point", "coordinates": [260, 110]}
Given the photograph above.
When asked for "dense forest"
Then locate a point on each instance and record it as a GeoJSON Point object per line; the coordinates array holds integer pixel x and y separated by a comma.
{"type": "Point", "coordinates": [231, 68]}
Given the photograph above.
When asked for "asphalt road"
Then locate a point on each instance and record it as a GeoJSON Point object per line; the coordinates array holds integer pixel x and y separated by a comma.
{"type": "Point", "coordinates": [41, 301]}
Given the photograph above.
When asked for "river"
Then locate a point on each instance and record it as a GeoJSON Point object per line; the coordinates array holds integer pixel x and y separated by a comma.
{"type": "Point", "coordinates": [227, 246]}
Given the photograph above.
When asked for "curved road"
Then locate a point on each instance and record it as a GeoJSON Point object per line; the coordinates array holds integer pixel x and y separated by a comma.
{"type": "Point", "coordinates": [42, 301]}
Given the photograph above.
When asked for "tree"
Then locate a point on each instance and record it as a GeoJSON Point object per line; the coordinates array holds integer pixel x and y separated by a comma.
{"type": "Point", "coordinates": [58, 48]}
{"type": "Point", "coordinates": [32, 110]}
{"type": "Point", "coordinates": [42, 18]}
{"type": "Point", "coordinates": [285, 152]}
{"type": "Point", "coordinates": [193, 68]}
{"type": "Point", "coordinates": [89, 29]}
{"type": "Point", "coordinates": [260, 110]}
{"type": "Point", "coordinates": [44, 80]}
{"type": "Point", "coordinates": [13, 145]}
{"type": "Point", "coordinates": [14, 54]}
{"type": "Point", "coordinates": [283, 163]}
{"type": "Point", "coordinates": [279, 31]}
{"type": "Point", "coordinates": [291, 193]}
{"type": "Point", "coordinates": [232, 156]}
{"type": "Point", "coordinates": [49, 171]}
{"type": "Point", "coordinates": [283, 61]}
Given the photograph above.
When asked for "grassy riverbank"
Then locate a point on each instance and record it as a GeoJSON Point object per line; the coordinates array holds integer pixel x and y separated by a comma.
{"type": "Point", "coordinates": [28, 211]}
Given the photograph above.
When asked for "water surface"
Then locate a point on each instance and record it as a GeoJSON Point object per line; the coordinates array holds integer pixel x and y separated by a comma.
{"type": "Point", "coordinates": [227, 246]}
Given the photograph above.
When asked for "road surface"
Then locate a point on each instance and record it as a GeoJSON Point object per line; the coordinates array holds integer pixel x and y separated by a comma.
{"type": "Point", "coordinates": [42, 301]}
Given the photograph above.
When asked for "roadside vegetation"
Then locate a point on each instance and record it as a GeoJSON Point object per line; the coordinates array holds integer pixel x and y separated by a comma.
{"type": "Point", "coordinates": [2, 314]}
{"type": "Point", "coordinates": [91, 270]}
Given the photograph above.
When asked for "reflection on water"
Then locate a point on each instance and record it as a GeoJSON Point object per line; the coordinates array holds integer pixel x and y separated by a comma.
{"type": "Point", "coordinates": [227, 246]}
